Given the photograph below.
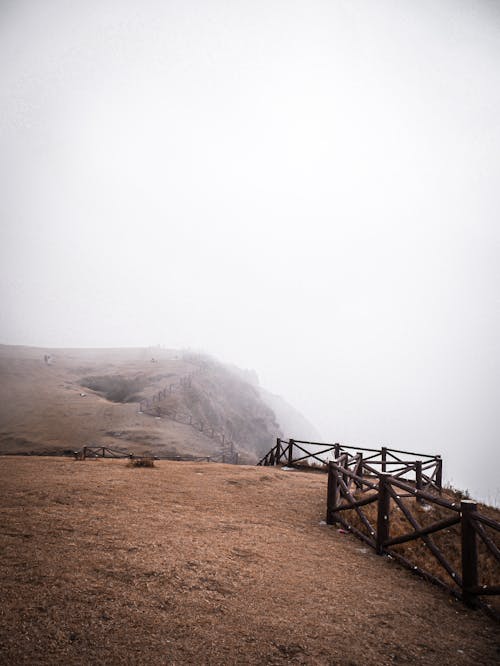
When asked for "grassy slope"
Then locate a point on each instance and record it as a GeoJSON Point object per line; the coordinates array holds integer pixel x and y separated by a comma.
{"type": "Point", "coordinates": [205, 564]}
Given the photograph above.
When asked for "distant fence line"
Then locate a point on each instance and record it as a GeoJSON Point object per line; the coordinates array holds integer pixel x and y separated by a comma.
{"type": "Point", "coordinates": [463, 544]}
{"type": "Point", "coordinates": [89, 452]}
{"type": "Point", "coordinates": [152, 407]}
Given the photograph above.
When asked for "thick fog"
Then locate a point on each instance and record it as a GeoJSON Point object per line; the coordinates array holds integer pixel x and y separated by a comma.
{"type": "Point", "coordinates": [309, 189]}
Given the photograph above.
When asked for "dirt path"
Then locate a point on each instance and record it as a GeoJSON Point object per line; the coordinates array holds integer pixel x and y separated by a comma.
{"type": "Point", "coordinates": [205, 564]}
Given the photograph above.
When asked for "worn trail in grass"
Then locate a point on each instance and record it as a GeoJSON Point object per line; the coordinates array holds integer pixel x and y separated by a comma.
{"type": "Point", "coordinates": [191, 563]}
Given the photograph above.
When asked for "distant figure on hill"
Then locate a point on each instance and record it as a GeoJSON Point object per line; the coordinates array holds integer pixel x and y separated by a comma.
{"type": "Point", "coordinates": [46, 359]}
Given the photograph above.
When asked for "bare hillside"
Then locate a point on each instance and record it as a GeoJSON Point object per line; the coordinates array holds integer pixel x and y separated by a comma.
{"type": "Point", "coordinates": [53, 400]}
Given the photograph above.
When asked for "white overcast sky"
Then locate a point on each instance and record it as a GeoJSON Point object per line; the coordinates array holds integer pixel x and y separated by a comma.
{"type": "Point", "coordinates": [309, 189]}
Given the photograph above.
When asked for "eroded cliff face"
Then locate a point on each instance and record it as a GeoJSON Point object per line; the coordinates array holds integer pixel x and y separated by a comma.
{"type": "Point", "coordinates": [222, 397]}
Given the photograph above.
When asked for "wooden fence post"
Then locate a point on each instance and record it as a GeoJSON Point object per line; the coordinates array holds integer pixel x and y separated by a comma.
{"type": "Point", "coordinates": [384, 500]}
{"type": "Point", "coordinates": [439, 473]}
{"type": "Point", "coordinates": [418, 479]}
{"type": "Point", "coordinates": [469, 553]}
{"type": "Point", "coordinates": [84, 453]}
{"type": "Point", "coordinates": [332, 494]}
{"type": "Point", "coordinates": [360, 470]}
{"type": "Point", "coordinates": [336, 450]}
{"type": "Point", "coordinates": [278, 450]}
{"type": "Point", "coordinates": [345, 463]}
{"type": "Point", "coordinates": [290, 452]}
{"type": "Point", "coordinates": [383, 452]}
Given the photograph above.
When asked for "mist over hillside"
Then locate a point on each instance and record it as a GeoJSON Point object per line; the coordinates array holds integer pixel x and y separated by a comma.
{"type": "Point", "coordinates": [292, 422]}
{"type": "Point", "coordinates": [62, 399]}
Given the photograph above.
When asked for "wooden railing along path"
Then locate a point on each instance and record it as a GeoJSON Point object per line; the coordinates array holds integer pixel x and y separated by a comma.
{"type": "Point", "coordinates": [393, 500]}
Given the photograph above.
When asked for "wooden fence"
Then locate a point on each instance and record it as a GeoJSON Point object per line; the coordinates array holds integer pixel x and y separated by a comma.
{"type": "Point", "coordinates": [393, 501]}
{"type": "Point", "coordinates": [426, 469]}
{"type": "Point", "coordinates": [89, 452]}
{"type": "Point", "coordinates": [459, 551]}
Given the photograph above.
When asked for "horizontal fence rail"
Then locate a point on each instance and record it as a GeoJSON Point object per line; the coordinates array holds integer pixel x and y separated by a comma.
{"type": "Point", "coordinates": [425, 469]}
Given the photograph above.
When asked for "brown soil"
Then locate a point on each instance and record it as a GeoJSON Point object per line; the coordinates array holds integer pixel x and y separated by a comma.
{"type": "Point", "coordinates": [191, 563]}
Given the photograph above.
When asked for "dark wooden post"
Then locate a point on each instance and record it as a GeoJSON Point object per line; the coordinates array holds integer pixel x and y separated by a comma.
{"type": "Point", "coordinates": [336, 450]}
{"type": "Point", "coordinates": [469, 553]}
{"type": "Point", "coordinates": [290, 452]}
{"type": "Point", "coordinates": [271, 457]}
{"type": "Point", "coordinates": [84, 453]}
{"type": "Point", "coordinates": [103, 452]}
{"type": "Point", "coordinates": [439, 472]}
{"type": "Point", "coordinates": [345, 462]}
{"type": "Point", "coordinates": [384, 500]}
{"type": "Point", "coordinates": [383, 452]}
{"type": "Point", "coordinates": [278, 450]}
{"type": "Point", "coordinates": [418, 479]}
{"type": "Point", "coordinates": [360, 469]}
{"type": "Point", "coordinates": [331, 495]}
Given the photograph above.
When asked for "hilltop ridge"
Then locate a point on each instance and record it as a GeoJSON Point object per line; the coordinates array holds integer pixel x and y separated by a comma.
{"type": "Point", "coordinates": [58, 399]}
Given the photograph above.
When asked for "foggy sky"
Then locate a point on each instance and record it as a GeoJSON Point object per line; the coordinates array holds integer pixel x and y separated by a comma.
{"type": "Point", "coordinates": [309, 189]}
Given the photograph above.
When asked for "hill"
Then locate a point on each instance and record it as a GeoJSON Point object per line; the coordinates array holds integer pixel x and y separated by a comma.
{"type": "Point", "coordinates": [196, 563]}
{"type": "Point", "coordinates": [59, 399]}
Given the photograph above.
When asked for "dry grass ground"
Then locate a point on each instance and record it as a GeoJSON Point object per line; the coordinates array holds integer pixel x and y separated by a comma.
{"type": "Point", "coordinates": [191, 563]}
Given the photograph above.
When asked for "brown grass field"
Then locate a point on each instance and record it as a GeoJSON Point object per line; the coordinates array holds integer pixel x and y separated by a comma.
{"type": "Point", "coordinates": [191, 563]}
